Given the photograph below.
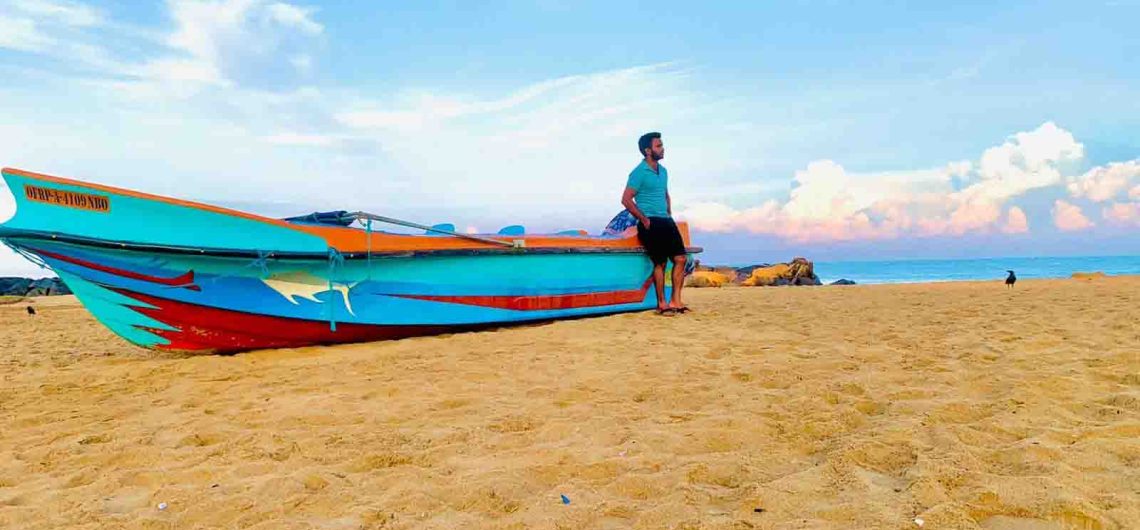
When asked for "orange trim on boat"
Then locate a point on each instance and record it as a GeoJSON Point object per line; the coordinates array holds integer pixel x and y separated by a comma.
{"type": "Point", "coordinates": [345, 239]}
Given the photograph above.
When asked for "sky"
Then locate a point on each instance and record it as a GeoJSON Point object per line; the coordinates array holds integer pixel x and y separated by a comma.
{"type": "Point", "coordinates": [831, 130]}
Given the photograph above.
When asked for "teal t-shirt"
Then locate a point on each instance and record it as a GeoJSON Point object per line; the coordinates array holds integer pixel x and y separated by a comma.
{"type": "Point", "coordinates": [651, 189]}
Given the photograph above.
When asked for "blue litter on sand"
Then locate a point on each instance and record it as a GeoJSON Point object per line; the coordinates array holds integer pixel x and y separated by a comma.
{"type": "Point", "coordinates": [565, 500]}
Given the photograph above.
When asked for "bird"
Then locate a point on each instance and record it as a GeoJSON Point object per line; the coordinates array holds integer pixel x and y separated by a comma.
{"type": "Point", "coordinates": [1011, 279]}
{"type": "Point", "coordinates": [31, 310]}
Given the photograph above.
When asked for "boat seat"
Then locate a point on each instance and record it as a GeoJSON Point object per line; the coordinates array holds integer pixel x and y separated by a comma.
{"type": "Point", "coordinates": [513, 230]}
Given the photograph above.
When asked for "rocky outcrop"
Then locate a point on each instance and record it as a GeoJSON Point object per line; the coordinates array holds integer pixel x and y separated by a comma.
{"type": "Point", "coordinates": [799, 271]}
{"type": "Point", "coordinates": [708, 279]}
{"type": "Point", "coordinates": [30, 287]}
{"type": "Point", "coordinates": [843, 281]}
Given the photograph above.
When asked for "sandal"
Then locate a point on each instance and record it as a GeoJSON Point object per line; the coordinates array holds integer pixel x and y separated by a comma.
{"type": "Point", "coordinates": [666, 312]}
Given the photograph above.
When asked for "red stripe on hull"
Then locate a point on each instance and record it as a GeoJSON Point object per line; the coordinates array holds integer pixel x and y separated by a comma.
{"type": "Point", "coordinates": [544, 302]}
{"type": "Point", "coordinates": [185, 280]}
{"type": "Point", "coordinates": [212, 330]}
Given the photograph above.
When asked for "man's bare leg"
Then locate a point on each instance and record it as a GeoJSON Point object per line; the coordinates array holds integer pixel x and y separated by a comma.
{"type": "Point", "coordinates": [659, 284]}
{"type": "Point", "coordinates": [678, 281]}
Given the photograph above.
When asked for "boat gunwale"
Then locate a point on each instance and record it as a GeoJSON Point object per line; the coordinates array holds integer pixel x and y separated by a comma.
{"type": "Point", "coordinates": [286, 255]}
{"type": "Point", "coordinates": [351, 241]}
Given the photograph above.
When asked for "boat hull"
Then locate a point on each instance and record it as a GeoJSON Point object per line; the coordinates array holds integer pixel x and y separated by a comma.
{"type": "Point", "coordinates": [175, 275]}
{"type": "Point", "coordinates": [230, 304]}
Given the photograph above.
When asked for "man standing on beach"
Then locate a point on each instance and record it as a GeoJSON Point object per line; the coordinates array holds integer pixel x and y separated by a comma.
{"type": "Point", "coordinates": [646, 196]}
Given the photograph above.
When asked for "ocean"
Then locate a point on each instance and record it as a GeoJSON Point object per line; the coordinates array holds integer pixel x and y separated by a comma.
{"type": "Point", "coordinates": [943, 270]}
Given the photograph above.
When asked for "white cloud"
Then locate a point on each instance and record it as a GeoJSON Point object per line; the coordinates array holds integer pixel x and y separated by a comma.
{"type": "Point", "coordinates": [303, 63]}
{"type": "Point", "coordinates": [416, 111]}
{"type": "Point", "coordinates": [1069, 217]}
{"type": "Point", "coordinates": [386, 119]}
{"type": "Point", "coordinates": [295, 17]}
{"type": "Point", "coordinates": [531, 138]}
{"type": "Point", "coordinates": [204, 29]}
{"type": "Point", "coordinates": [182, 70]}
{"type": "Point", "coordinates": [7, 202]}
{"type": "Point", "coordinates": [1122, 213]}
{"type": "Point", "coordinates": [574, 134]}
{"type": "Point", "coordinates": [301, 139]}
{"type": "Point", "coordinates": [66, 13]}
{"type": "Point", "coordinates": [1104, 183]}
{"type": "Point", "coordinates": [213, 43]}
{"type": "Point", "coordinates": [717, 217]}
{"type": "Point", "coordinates": [1016, 222]}
{"type": "Point", "coordinates": [236, 41]}
{"type": "Point", "coordinates": [12, 264]}
{"type": "Point", "coordinates": [1029, 160]}
{"type": "Point", "coordinates": [827, 203]}
{"type": "Point", "coordinates": [68, 32]}
{"type": "Point", "coordinates": [23, 34]}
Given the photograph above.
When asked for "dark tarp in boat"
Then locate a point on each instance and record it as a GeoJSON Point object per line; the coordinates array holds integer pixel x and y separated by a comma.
{"type": "Point", "coordinates": [339, 218]}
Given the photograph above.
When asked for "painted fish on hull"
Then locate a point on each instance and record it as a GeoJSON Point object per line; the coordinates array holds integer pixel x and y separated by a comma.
{"type": "Point", "coordinates": [307, 286]}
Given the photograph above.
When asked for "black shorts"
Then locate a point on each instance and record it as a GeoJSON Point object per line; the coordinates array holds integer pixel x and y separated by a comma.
{"type": "Point", "coordinates": [662, 240]}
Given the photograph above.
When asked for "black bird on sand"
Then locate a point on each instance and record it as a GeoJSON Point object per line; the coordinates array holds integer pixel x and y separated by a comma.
{"type": "Point", "coordinates": [1010, 280]}
{"type": "Point", "coordinates": [31, 310]}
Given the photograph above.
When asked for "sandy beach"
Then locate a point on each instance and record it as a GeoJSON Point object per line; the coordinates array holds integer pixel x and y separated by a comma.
{"type": "Point", "coordinates": [962, 405]}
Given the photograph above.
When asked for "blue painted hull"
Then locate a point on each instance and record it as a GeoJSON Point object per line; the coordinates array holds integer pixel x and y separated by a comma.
{"type": "Point", "coordinates": [257, 284]}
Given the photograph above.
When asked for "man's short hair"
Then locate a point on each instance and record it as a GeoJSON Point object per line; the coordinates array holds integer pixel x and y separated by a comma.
{"type": "Point", "coordinates": [646, 141]}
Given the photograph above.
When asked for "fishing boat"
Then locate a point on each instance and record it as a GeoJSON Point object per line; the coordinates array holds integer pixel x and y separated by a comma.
{"type": "Point", "coordinates": [171, 274]}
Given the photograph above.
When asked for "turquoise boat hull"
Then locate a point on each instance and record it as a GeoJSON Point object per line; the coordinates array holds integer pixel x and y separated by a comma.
{"type": "Point", "coordinates": [174, 275]}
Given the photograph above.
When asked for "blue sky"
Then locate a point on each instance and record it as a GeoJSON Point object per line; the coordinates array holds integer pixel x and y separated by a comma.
{"type": "Point", "coordinates": [834, 130]}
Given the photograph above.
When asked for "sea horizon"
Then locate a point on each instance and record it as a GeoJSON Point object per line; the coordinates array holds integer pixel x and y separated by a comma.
{"type": "Point", "coordinates": [923, 270]}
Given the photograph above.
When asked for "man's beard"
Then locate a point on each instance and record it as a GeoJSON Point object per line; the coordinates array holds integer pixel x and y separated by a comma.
{"type": "Point", "coordinates": [657, 157]}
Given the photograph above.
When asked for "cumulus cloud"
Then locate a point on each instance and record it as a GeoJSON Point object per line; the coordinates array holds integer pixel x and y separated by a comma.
{"type": "Point", "coordinates": [1105, 183]}
{"type": "Point", "coordinates": [1027, 161]}
{"type": "Point", "coordinates": [1122, 213]}
{"type": "Point", "coordinates": [828, 203]}
{"type": "Point", "coordinates": [1068, 217]}
{"type": "Point", "coordinates": [1015, 222]}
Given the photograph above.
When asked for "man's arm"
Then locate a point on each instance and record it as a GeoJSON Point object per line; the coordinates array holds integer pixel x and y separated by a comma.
{"type": "Point", "coordinates": [631, 205]}
{"type": "Point", "coordinates": [669, 204]}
